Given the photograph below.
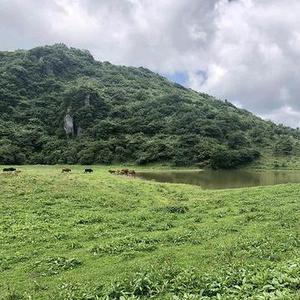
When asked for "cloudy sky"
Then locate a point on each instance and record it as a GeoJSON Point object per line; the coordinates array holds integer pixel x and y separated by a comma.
{"type": "Point", "coordinates": [246, 51]}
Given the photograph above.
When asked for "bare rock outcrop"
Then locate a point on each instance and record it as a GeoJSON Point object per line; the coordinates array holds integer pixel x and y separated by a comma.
{"type": "Point", "coordinates": [69, 125]}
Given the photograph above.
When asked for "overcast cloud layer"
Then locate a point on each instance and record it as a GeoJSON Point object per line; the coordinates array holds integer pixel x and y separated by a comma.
{"type": "Point", "coordinates": [246, 51]}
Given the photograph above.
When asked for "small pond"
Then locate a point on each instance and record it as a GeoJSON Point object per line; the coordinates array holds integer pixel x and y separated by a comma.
{"type": "Point", "coordinates": [224, 179]}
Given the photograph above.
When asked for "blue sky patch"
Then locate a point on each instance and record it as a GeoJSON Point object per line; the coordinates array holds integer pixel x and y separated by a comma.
{"type": "Point", "coordinates": [178, 77]}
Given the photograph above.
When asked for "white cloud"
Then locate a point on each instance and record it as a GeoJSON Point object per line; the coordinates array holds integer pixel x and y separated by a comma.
{"type": "Point", "coordinates": [283, 115]}
{"type": "Point", "coordinates": [255, 48]}
{"type": "Point", "coordinates": [246, 51]}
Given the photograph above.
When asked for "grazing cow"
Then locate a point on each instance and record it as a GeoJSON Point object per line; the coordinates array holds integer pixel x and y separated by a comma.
{"type": "Point", "coordinates": [66, 170]}
{"type": "Point", "coordinates": [124, 172]}
{"type": "Point", "coordinates": [9, 169]}
{"type": "Point", "coordinates": [88, 170]}
{"type": "Point", "coordinates": [131, 173]}
{"type": "Point", "coordinates": [112, 171]}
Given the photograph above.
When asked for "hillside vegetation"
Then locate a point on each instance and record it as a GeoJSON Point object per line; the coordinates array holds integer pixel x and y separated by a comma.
{"type": "Point", "coordinates": [101, 236]}
{"type": "Point", "coordinates": [59, 105]}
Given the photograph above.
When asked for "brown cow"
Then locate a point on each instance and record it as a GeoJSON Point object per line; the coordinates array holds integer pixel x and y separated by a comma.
{"type": "Point", "coordinates": [131, 173]}
{"type": "Point", "coordinates": [66, 170]}
{"type": "Point", "coordinates": [124, 172]}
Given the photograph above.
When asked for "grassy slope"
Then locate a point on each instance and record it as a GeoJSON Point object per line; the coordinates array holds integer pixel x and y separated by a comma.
{"type": "Point", "coordinates": [62, 235]}
{"type": "Point", "coordinates": [270, 161]}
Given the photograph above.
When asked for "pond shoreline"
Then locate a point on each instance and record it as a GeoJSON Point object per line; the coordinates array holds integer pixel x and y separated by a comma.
{"type": "Point", "coordinates": [223, 179]}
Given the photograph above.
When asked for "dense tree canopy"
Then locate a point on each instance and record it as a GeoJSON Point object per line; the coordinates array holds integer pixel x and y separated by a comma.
{"type": "Point", "coordinates": [119, 114]}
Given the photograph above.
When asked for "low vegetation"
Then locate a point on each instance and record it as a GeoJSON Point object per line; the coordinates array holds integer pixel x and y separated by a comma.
{"type": "Point", "coordinates": [102, 236]}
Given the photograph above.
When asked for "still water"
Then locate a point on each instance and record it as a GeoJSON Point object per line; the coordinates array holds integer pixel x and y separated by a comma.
{"type": "Point", "coordinates": [209, 179]}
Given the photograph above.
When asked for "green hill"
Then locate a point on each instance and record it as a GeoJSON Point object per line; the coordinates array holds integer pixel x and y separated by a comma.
{"type": "Point", "coordinates": [59, 105]}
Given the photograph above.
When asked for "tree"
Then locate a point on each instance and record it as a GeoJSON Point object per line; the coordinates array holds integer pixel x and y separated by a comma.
{"type": "Point", "coordinates": [237, 140]}
{"type": "Point", "coordinates": [284, 146]}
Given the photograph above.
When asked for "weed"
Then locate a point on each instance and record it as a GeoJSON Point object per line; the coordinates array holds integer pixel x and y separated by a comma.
{"type": "Point", "coordinates": [55, 265]}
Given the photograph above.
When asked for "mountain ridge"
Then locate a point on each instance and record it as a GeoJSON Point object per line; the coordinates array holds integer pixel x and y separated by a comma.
{"type": "Point", "coordinates": [120, 114]}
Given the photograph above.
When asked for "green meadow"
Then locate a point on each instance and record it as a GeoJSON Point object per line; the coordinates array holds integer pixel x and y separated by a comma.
{"type": "Point", "coordinates": [103, 236]}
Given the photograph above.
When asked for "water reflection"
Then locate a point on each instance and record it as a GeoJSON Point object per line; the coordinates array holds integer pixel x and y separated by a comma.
{"type": "Point", "coordinates": [210, 179]}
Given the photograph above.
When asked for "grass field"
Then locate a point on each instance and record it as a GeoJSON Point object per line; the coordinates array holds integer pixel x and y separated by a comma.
{"type": "Point", "coordinates": [269, 161]}
{"type": "Point", "coordinates": [102, 236]}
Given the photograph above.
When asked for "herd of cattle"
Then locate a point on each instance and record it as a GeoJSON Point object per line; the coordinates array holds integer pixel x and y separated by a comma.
{"type": "Point", "coordinates": [67, 170]}
{"type": "Point", "coordinates": [125, 172]}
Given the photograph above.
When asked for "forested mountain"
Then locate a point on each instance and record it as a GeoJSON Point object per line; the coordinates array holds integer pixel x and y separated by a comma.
{"type": "Point", "coordinates": [59, 105]}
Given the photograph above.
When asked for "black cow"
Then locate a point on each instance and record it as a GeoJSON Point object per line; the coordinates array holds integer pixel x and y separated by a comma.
{"type": "Point", "coordinates": [9, 169]}
{"type": "Point", "coordinates": [66, 170]}
{"type": "Point", "coordinates": [88, 171]}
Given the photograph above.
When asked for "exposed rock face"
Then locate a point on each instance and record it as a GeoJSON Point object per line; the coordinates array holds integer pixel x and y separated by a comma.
{"type": "Point", "coordinates": [69, 124]}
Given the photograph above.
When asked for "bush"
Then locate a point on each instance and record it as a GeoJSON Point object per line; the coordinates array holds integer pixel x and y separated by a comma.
{"type": "Point", "coordinates": [223, 158]}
